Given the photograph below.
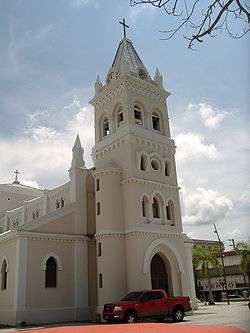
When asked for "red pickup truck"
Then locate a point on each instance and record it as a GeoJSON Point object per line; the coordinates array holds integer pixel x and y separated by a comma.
{"type": "Point", "coordinates": [147, 304]}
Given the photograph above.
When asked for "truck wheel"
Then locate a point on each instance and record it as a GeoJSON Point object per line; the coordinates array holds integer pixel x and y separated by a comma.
{"type": "Point", "coordinates": [130, 317]}
{"type": "Point", "coordinates": [178, 314]}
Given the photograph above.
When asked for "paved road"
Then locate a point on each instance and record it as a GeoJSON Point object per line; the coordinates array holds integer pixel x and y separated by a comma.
{"type": "Point", "coordinates": [236, 315]}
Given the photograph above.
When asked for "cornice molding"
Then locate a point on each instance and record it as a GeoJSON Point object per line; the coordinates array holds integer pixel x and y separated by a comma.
{"type": "Point", "coordinates": [132, 83]}
{"type": "Point", "coordinates": [108, 171]}
{"type": "Point", "coordinates": [32, 235]}
{"type": "Point", "coordinates": [149, 183]}
{"type": "Point", "coordinates": [139, 233]}
{"type": "Point", "coordinates": [131, 136]}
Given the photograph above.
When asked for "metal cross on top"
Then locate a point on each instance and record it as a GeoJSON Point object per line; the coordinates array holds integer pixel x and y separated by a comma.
{"type": "Point", "coordinates": [16, 172]}
{"type": "Point", "coordinates": [124, 27]}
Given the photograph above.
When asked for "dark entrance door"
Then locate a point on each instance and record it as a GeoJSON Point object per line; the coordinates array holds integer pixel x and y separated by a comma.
{"type": "Point", "coordinates": [159, 276]}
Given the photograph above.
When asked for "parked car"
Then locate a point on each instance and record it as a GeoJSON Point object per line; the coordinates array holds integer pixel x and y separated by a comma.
{"type": "Point", "coordinates": [147, 304]}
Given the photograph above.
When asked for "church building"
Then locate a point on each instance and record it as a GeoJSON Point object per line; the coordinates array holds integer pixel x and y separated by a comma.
{"type": "Point", "coordinates": [110, 229]}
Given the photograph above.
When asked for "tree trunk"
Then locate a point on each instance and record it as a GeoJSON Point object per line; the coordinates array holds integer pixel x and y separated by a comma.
{"type": "Point", "coordinates": [211, 298]}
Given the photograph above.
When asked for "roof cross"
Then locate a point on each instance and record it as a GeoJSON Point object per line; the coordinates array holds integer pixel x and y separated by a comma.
{"type": "Point", "coordinates": [123, 22]}
{"type": "Point", "coordinates": [16, 181]}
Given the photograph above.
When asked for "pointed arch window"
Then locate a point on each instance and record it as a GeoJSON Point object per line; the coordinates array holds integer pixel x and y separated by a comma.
{"type": "Point", "coordinates": [156, 208]}
{"type": "Point", "coordinates": [138, 115]}
{"type": "Point", "coordinates": [98, 208]}
{"type": "Point", "coordinates": [105, 126]}
{"type": "Point", "coordinates": [51, 273]}
{"type": "Point", "coordinates": [99, 250]}
{"type": "Point", "coordinates": [4, 275]}
{"type": "Point", "coordinates": [97, 184]}
{"type": "Point", "coordinates": [120, 116]}
{"type": "Point", "coordinates": [170, 211]}
{"type": "Point", "coordinates": [62, 202]}
{"type": "Point", "coordinates": [143, 162]}
{"type": "Point", "coordinates": [156, 121]}
{"type": "Point", "coordinates": [167, 168]}
{"type": "Point", "coordinates": [144, 206]}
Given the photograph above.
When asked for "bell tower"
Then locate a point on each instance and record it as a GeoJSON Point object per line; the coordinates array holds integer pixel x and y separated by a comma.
{"type": "Point", "coordinates": [137, 198]}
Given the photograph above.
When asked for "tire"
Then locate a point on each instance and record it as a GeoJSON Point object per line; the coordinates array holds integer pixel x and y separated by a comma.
{"type": "Point", "coordinates": [178, 315]}
{"type": "Point", "coordinates": [130, 317]}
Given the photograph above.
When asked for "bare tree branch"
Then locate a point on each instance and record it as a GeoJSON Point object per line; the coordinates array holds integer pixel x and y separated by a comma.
{"type": "Point", "coordinates": [211, 19]}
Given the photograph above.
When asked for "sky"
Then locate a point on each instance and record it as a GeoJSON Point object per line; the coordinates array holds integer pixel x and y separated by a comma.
{"type": "Point", "coordinates": [50, 55]}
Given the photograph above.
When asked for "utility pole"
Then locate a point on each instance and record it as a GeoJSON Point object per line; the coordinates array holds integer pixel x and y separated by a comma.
{"type": "Point", "coordinates": [222, 261]}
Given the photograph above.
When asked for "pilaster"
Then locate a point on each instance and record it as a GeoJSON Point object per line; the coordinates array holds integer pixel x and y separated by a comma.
{"type": "Point", "coordinates": [21, 276]}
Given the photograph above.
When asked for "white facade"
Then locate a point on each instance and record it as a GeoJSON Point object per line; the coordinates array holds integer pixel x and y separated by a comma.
{"type": "Point", "coordinates": [111, 229]}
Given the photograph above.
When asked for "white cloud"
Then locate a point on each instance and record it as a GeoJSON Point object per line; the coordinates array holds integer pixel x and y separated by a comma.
{"type": "Point", "coordinates": [140, 11]}
{"type": "Point", "coordinates": [31, 183]}
{"type": "Point", "coordinates": [191, 145]}
{"type": "Point", "coordinates": [244, 199]}
{"type": "Point", "coordinates": [78, 3]}
{"type": "Point", "coordinates": [203, 206]}
{"type": "Point", "coordinates": [232, 233]}
{"type": "Point", "coordinates": [43, 153]}
{"type": "Point", "coordinates": [211, 117]}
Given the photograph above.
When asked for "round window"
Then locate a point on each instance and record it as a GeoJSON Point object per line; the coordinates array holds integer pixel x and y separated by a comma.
{"type": "Point", "coordinates": [155, 165]}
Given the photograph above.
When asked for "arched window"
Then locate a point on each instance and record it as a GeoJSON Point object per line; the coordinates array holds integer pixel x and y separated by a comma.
{"type": "Point", "coordinates": [99, 249]}
{"type": "Point", "coordinates": [105, 126]}
{"type": "Point", "coordinates": [144, 206]}
{"type": "Point", "coordinates": [33, 215]}
{"type": "Point", "coordinates": [156, 121]}
{"type": "Point", "coordinates": [167, 168]}
{"type": "Point", "coordinates": [51, 273]}
{"type": "Point", "coordinates": [143, 162]}
{"type": "Point", "coordinates": [120, 117]}
{"type": "Point", "coordinates": [57, 203]}
{"type": "Point", "coordinates": [37, 213]}
{"type": "Point", "coordinates": [4, 274]}
{"type": "Point", "coordinates": [156, 208]}
{"type": "Point", "coordinates": [98, 208]}
{"type": "Point", "coordinates": [138, 115]}
{"type": "Point", "coordinates": [170, 211]}
{"type": "Point", "coordinates": [97, 184]}
{"type": "Point", "coordinates": [62, 202]}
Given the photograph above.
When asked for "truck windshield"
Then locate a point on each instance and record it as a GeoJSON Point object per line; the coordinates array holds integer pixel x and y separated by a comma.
{"type": "Point", "coordinates": [134, 296]}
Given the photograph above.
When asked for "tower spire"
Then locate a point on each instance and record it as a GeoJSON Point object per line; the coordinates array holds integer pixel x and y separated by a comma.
{"type": "Point", "coordinates": [127, 61]}
{"type": "Point", "coordinates": [77, 158]}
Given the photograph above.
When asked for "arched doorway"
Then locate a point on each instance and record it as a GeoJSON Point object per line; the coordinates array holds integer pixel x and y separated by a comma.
{"type": "Point", "coordinates": [160, 274]}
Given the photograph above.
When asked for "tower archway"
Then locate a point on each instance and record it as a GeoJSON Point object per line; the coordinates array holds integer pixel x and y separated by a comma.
{"type": "Point", "coordinates": [161, 275]}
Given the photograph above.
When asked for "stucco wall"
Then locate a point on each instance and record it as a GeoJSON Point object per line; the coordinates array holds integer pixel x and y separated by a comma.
{"type": "Point", "coordinates": [37, 296]}
{"type": "Point", "coordinates": [112, 266]}
{"type": "Point", "coordinates": [63, 224]}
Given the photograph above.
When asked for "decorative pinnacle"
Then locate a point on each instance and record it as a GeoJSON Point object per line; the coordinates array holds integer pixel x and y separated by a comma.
{"type": "Point", "coordinates": [158, 78]}
{"type": "Point", "coordinates": [77, 143]}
